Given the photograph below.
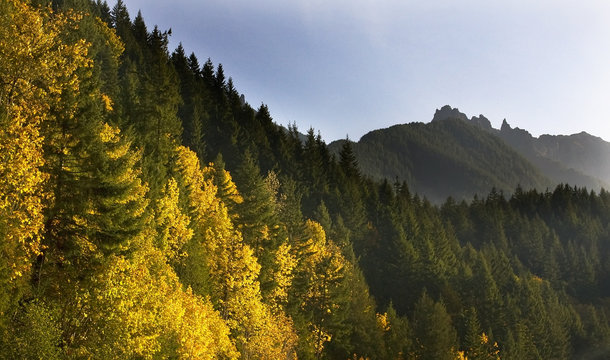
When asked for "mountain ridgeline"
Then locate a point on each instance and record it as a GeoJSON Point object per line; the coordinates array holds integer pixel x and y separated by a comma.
{"type": "Point", "coordinates": [460, 157]}
{"type": "Point", "coordinates": [147, 211]}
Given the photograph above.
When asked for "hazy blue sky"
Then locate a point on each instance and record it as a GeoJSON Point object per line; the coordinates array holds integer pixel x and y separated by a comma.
{"type": "Point", "coordinates": [350, 66]}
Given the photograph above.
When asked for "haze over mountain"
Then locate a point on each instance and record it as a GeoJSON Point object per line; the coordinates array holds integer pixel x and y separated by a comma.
{"type": "Point", "coordinates": [579, 159]}
{"type": "Point", "coordinates": [457, 156]}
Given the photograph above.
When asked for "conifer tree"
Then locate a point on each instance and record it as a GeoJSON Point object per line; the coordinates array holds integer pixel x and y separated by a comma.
{"type": "Point", "coordinates": [290, 212]}
{"type": "Point", "coordinates": [98, 194]}
{"type": "Point", "coordinates": [120, 17]}
{"type": "Point", "coordinates": [348, 161]}
{"type": "Point", "coordinates": [358, 331]}
{"type": "Point", "coordinates": [433, 332]}
{"type": "Point", "coordinates": [191, 111]}
{"type": "Point", "coordinates": [194, 66]}
{"type": "Point", "coordinates": [476, 344]}
{"type": "Point", "coordinates": [103, 11]}
{"type": "Point", "coordinates": [396, 335]}
{"type": "Point", "coordinates": [257, 213]}
{"type": "Point", "coordinates": [157, 122]}
{"type": "Point", "coordinates": [207, 72]}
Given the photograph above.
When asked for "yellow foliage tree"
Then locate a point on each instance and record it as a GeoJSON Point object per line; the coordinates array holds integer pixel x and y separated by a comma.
{"type": "Point", "coordinates": [320, 270]}
{"type": "Point", "coordinates": [259, 333]}
{"type": "Point", "coordinates": [36, 66]}
{"type": "Point", "coordinates": [172, 226]}
{"type": "Point", "coordinates": [227, 190]}
{"type": "Point", "coordinates": [136, 308]}
{"type": "Point", "coordinates": [285, 263]}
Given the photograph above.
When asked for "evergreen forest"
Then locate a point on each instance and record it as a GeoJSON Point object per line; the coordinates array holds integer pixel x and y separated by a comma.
{"type": "Point", "coordinates": [147, 211]}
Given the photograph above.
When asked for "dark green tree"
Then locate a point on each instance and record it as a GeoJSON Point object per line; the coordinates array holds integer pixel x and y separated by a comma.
{"type": "Point", "coordinates": [433, 331]}
{"type": "Point", "coordinates": [348, 161]}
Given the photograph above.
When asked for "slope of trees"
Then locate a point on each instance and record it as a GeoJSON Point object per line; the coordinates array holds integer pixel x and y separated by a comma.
{"type": "Point", "coordinates": [577, 159]}
{"type": "Point", "coordinates": [147, 211]}
{"type": "Point", "coordinates": [450, 157]}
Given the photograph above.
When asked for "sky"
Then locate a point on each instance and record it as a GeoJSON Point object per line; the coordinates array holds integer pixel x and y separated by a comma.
{"type": "Point", "coordinates": [346, 67]}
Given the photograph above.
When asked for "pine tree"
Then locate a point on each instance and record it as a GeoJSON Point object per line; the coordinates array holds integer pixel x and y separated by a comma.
{"type": "Point", "coordinates": [157, 123]}
{"type": "Point", "coordinates": [191, 112]}
{"type": "Point", "coordinates": [348, 161]}
{"type": "Point", "coordinates": [435, 337]}
{"type": "Point", "coordinates": [322, 216]}
{"type": "Point", "coordinates": [289, 209]}
{"type": "Point", "coordinates": [194, 66]}
{"type": "Point", "coordinates": [207, 72]}
{"type": "Point", "coordinates": [358, 331]}
{"type": "Point", "coordinates": [120, 17]}
{"type": "Point", "coordinates": [257, 213]}
{"type": "Point", "coordinates": [396, 337]}
{"type": "Point", "coordinates": [98, 193]}
{"type": "Point", "coordinates": [476, 343]}
{"type": "Point", "coordinates": [103, 11]}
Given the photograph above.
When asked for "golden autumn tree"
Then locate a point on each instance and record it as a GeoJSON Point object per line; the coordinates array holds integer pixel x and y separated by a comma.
{"type": "Point", "coordinates": [258, 332]}
{"type": "Point", "coordinates": [63, 166]}
{"type": "Point", "coordinates": [131, 303]}
{"type": "Point", "coordinates": [284, 264]}
{"type": "Point", "coordinates": [318, 275]}
{"type": "Point", "coordinates": [106, 265]}
{"type": "Point", "coordinates": [36, 66]}
{"type": "Point", "coordinates": [173, 231]}
{"type": "Point", "coordinates": [136, 308]}
{"type": "Point", "coordinates": [227, 190]}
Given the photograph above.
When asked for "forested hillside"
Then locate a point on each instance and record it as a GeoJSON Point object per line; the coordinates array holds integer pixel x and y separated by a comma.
{"type": "Point", "coordinates": [148, 211]}
{"type": "Point", "coordinates": [444, 158]}
{"type": "Point", "coordinates": [580, 159]}
{"type": "Point", "coordinates": [460, 157]}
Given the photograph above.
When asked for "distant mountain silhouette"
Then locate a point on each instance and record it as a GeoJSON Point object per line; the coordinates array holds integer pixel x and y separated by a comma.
{"type": "Point", "coordinates": [579, 159]}
{"type": "Point", "coordinates": [460, 157]}
{"type": "Point", "coordinates": [448, 157]}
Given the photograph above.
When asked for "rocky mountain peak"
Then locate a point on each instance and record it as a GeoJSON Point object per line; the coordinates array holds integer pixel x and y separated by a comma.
{"type": "Point", "coordinates": [447, 112]}
{"type": "Point", "coordinates": [482, 122]}
{"type": "Point", "coordinates": [505, 126]}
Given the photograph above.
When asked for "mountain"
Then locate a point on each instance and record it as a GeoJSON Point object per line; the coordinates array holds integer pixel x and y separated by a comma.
{"type": "Point", "coordinates": [450, 156]}
{"type": "Point", "coordinates": [457, 156]}
{"type": "Point", "coordinates": [579, 159]}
